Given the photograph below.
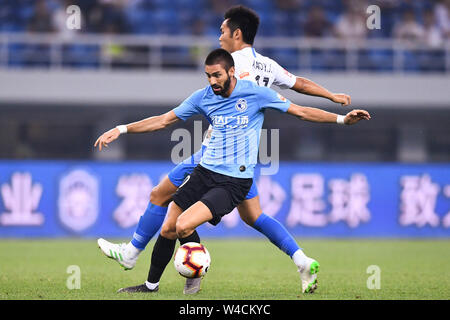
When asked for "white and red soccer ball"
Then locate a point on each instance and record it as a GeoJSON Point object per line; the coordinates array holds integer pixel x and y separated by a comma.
{"type": "Point", "coordinates": [192, 260]}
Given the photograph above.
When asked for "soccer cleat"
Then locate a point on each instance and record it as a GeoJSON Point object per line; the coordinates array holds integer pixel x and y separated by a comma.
{"type": "Point", "coordinates": [192, 285]}
{"type": "Point", "coordinates": [308, 275]}
{"type": "Point", "coordinates": [117, 252]}
{"type": "Point", "coordinates": [139, 288]}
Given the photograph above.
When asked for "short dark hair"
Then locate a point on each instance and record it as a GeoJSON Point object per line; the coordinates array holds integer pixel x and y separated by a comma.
{"type": "Point", "coordinates": [220, 56]}
{"type": "Point", "coordinates": [240, 17]}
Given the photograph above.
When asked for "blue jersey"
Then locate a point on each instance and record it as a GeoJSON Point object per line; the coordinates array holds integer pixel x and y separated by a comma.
{"type": "Point", "coordinates": [236, 121]}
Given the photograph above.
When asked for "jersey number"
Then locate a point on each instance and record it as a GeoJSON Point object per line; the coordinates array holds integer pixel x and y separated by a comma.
{"type": "Point", "coordinates": [265, 80]}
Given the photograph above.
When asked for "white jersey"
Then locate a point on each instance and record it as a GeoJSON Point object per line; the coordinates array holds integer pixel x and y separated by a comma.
{"type": "Point", "coordinates": [250, 65]}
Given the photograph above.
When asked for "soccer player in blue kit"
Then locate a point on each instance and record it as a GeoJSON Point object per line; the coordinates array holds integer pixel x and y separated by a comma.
{"type": "Point", "coordinates": [223, 178]}
{"type": "Point", "coordinates": [238, 31]}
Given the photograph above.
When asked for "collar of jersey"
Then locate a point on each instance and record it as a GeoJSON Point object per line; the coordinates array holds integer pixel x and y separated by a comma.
{"type": "Point", "coordinates": [249, 48]}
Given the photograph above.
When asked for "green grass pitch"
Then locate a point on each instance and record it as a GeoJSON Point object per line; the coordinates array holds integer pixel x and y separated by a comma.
{"type": "Point", "coordinates": [243, 269]}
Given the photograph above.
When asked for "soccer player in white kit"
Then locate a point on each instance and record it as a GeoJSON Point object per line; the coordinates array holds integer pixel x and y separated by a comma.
{"type": "Point", "coordinates": [238, 31]}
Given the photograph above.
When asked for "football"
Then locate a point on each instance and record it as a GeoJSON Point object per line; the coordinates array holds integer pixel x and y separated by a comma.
{"type": "Point", "coordinates": [192, 260]}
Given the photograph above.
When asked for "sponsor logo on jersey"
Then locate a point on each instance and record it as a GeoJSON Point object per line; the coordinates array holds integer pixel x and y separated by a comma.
{"type": "Point", "coordinates": [288, 73]}
{"type": "Point", "coordinates": [241, 105]}
{"type": "Point", "coordinates": [281, 97]}
{"type": "Point", "coordinates": [230, 122]}
{"type": "Point", "coordinates": [243, 75]}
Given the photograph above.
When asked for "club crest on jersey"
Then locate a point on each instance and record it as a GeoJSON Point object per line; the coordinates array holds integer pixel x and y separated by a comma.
{"type": "Point", "coordinates": [281, 97]}
{"type": "Point", "coordinates": [241, 105]}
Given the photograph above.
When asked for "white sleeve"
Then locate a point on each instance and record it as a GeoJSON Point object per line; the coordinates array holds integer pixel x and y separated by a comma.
{"type": "Point", "coordinates": [282, 78]}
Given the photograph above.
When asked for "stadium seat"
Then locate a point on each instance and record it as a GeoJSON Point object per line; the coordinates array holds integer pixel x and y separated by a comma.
{"type": "Point", "coordinates": [179, 17]}
{"type": "Point", "coordinates": [431, 61]}
{"type": "Point", "coordinates": [139, 22]}
{"type": "Point", "coordinates": [260, 6]}
{"type": "Point", "coordinates": [376, 60]}
{"type": "Point", "coordinates": [192, 7]}
{"type": "Point", "coordinates": [287, 58]}
{"type": "Point", "coordinates": [166, 21]}
{"type": "Point", "coordinates": [178, 57]}
{"type": "Point", "coordinates": [410, 61]}
{"type": "Point", "coordinates": [81, 56]}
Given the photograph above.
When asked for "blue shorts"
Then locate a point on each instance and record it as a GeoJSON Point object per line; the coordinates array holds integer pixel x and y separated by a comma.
{"type": "Point", "coordinates": [185, 168]}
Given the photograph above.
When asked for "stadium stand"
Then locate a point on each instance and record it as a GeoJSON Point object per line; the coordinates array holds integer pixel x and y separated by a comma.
{"type": "Point", "coordinates": [412, 37]}
{"type": "Point", "coordinates": [400, 72]}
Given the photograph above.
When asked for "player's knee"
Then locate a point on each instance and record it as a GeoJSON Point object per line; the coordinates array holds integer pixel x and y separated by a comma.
{"type": "Point", "coordinates": [168, 231]}
{"type": "Point", "coordinates": [158, 197]}
{"type": "Point", "coordinates": [182, 229]}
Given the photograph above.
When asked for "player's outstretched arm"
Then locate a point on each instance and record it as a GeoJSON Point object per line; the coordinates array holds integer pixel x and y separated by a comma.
{"type": "Point", "coordinates": [145, 125]}
{"type": "Point", "coordinates": [306, 86]}
{"type": "Point", "coordinates": [318, 115]}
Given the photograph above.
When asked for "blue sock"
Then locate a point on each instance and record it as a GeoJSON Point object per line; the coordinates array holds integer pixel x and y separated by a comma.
{"type": "Point", "coordinates": [148, 225]}
{"type": "Point", "coordinates": [276, 233]}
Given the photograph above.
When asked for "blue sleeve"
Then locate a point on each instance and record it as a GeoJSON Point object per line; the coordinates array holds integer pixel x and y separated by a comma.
{"type": "Point", "coordinates": [190, 106]}
{"type": "Point", "coordinates": [269, 98]}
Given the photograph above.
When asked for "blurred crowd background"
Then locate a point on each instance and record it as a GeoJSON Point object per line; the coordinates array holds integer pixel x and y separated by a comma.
{"type": "Point", "coordinates": [425, 24]}
{"type": "Point", "coordinates": [427, 21]}
{"type": "Point", "coordinates": [311, 38]}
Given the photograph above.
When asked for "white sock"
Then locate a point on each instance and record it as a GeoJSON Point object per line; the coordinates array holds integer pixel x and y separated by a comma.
{"type": "Point", "coordinates": [299, 258]}
{"type": "Point", "coordinates": [132, 251]}
{"type": "Point", "coordinates": [151, 286]}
